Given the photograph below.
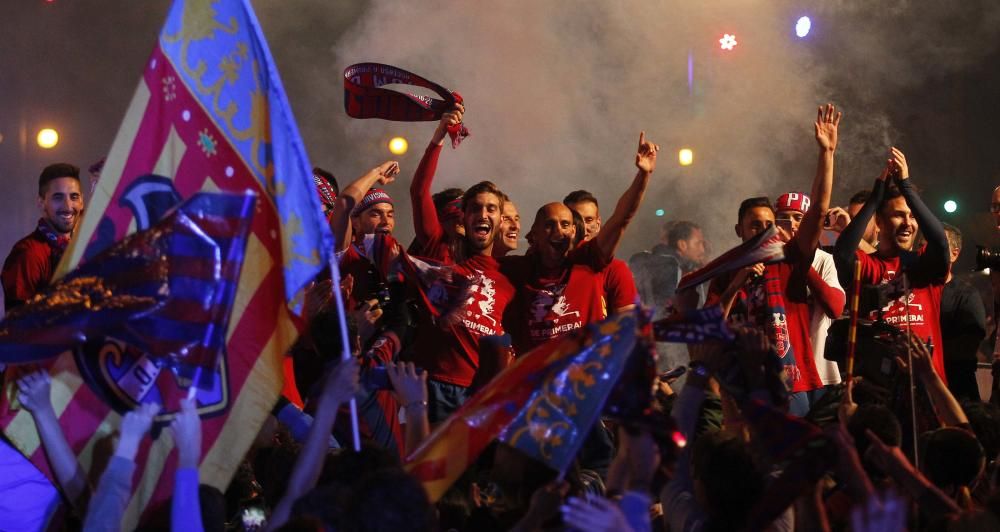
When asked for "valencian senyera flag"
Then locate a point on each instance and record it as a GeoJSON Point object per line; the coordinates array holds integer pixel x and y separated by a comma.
{"type": "Point", "coordinates": [544, 404]}
{"type": "Point", "coordinates": [209, 115]}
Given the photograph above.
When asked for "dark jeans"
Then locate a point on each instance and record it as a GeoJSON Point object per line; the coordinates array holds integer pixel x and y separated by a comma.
{"type": "Point", "coordinates": [443, 399]}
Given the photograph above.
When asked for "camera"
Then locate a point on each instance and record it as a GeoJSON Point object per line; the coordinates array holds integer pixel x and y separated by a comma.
{"type": "Point", "coordinates": [987, 258]}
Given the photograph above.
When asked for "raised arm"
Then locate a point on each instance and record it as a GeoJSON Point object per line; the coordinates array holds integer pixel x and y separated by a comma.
{"type": "Point", "coordinates": [845, 250]}
{"type": "Point", "coordinates": [115, 487]}
{"type": "Point", "coordinates": [185, 508]}
{"type": "Point", "coordinates": [410, 389]}
{"type": "Point", "coordinates": [425, 218]}
{"type": "Point", "coordinates": [946, 407]}
{"type": "Point", "coordinates": [934, 260]}
{"type": "Point", "coordinates": [340, 218]}
{"type": "Point", "coordinates": [826, 126]}
{"type": "Point", "coordinates": [628, 204]}
{"type": "Point", "coordinates": [34, 394]}
{"type": "Point", "coordinates": [341, 384]}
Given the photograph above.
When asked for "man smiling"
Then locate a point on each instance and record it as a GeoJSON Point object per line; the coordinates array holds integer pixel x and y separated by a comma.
{"type": "Point", "coordinates": [32, 261]}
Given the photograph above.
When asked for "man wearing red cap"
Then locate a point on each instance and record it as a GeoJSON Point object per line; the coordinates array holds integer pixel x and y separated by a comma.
{"type": "Point", "coordinates": [826, 297]}
{"type": "Point", "coordinates": [776, 297]}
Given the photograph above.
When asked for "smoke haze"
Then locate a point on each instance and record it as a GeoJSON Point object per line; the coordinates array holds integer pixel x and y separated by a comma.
{"type": "Point", "coordinates": [557, 93]}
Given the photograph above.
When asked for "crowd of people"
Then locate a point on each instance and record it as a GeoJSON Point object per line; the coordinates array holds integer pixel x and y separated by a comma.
{"type": "Point", "coordinates": [911, 444]}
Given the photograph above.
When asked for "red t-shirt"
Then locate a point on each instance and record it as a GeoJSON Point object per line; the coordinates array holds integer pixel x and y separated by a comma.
{"type": "Point", "coordinates": [619, 287]}
{"type": "Point", "coordinates": [449, 349]}
{"type": "Point", "coordinates": [923, 307]}
{"type": "Point", "coordinates": [792, 274]}
{"type": "Point", "coordinates": [28, 269]}
{"type": "Point", "coordinates": [550, 305]}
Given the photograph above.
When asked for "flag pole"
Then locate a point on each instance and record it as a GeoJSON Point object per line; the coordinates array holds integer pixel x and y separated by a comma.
{"type": "Point", "coordinates": [345, 342]}
{"type": "Point", "coordinates": [852, 337]}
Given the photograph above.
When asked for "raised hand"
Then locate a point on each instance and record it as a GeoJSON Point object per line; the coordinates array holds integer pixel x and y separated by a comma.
{"type": "Point", "coordinates": [409, 385]}
{"type": "Point", "coordinates": [186, 430]}
{"type": "Point", "coordinates": [134, 427]}
{"type": "Point", "coordinates": [898, 162]}
{"type": "Point", "coordinates": [34, 392]}
{"type": "Point", "coordinates": [387, 172]}
{"type": "Point", "coordinates": [827, 122]}
{"type": "Point", "coordinates": [341, 384]}
{"type": "Point", "coordinates": [449, 119]}
{"type": "Point", "coordinates": [594, 513]}
{"type": "Point", "coordinates": [645, 157]}
{"type": "Point", "coordinates": [876, 514]}
{"type": "Point", "coordinates": [837, 219]}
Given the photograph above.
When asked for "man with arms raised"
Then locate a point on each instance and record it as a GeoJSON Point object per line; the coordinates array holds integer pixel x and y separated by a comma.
{"type": "Point", "coordinates": [560, 287]}
{"type": "Point", "coordinates": [917, 276]}
{"type": "Point", "coordinates": [776, 296]}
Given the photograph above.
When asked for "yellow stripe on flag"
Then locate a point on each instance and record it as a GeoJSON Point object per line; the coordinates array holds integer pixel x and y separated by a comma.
{"type": "Point", "coordinates": [256, 266]}
{"type": "Point", "coordinates": [252, 406]}
{"type": "Point", "coordinates": [65, 382]}
{"type": "Point", "coordinates": [171, 155]}
{"type": "Point", "coordinates": [110, 177]}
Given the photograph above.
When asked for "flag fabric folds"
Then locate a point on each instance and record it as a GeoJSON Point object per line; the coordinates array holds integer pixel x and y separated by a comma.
{"type": "Point", "coordinates": [167, 290]}
{"type": "Point", "coordinates": [543, 404]}
{"type": "Point", "coordinates": [767, 247]}
{"type": "Point", "coordinates": [209, 115]}
{"type": "Point", "coordinates": [693, 326]}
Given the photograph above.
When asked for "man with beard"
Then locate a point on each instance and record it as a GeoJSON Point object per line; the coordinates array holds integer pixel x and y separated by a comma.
{"type": "Point", "coordinates": [448, 345]}
{"type": "Point", "coordinates": [619, 287]}
{"type": "Point", "coordinates": [33, 259]}
{"type": "Point", "coordinates": [915, 277]}
{"type": "Point", "coordinates": [560, 286]}
{"type": "Point", "coordinates": [775, 297]}
{"type": "Point", "coordinates": [29, 498]}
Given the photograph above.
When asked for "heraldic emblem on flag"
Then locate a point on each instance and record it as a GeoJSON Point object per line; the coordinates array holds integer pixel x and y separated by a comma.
{"type": "Point", "coordinates": [544, 404]}
{"type": "Point", "coordinates": [209, 115]}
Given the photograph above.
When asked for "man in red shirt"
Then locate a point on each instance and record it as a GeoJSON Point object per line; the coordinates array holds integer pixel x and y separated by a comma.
{"type": "Point", "coordinates": [620, 292]}
{"type": "Point", "coordinates": [448, 346]}
{"type": "Point", "coordinates": [561, 286]}
{"type": "Point", "coordinates": [776, 296]}
{"type": "Point", "coordinates": [916, 278]}
{"type": "Point", "coordinates": [33, 259]}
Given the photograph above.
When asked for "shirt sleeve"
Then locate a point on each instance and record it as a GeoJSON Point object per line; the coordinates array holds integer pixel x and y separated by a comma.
{"type": "Point", "coordinates": [24, 272]}
{"type": "Point", "coordinates": [826, 289]}
{"type": "Point", "coordinates": [844, 251]}
{"type": "Point", "coordinates": [934, 258]}
{"type": "Point", "coordinates": [185, 509]}
{"type": "Point", "coordinates": [425, 219]}
{"type": "Point", "coordinates": [619, 286]}
{"type": "Point", "coordinates": [111, 498]}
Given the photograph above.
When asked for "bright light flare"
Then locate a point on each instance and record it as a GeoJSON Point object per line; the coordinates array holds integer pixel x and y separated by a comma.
{"type": "Point", "coordinates": [802, 26]}
{"type": "Point", "coordinates": [685, 156]}
{"type": "Point", "coordinates": [48, 138]}
{"type": "Point", "coordinates": [679, 440]}
{"type": "Point", "coordinates": [660, 212]}
{"type": "Point", "coordinates": [398, 146]}
{"type": "Point", "coordinates": [728, 42]}
{"type": "Point", "coordinates": [950, 206]}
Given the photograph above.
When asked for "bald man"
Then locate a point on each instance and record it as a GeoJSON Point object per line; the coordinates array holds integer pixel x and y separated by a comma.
{"type": "Point", "coordinates": [560, 282]}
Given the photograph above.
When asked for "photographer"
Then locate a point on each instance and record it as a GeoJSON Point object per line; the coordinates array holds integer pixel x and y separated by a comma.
{"type": "Point", "coordinates": [963, 325]}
